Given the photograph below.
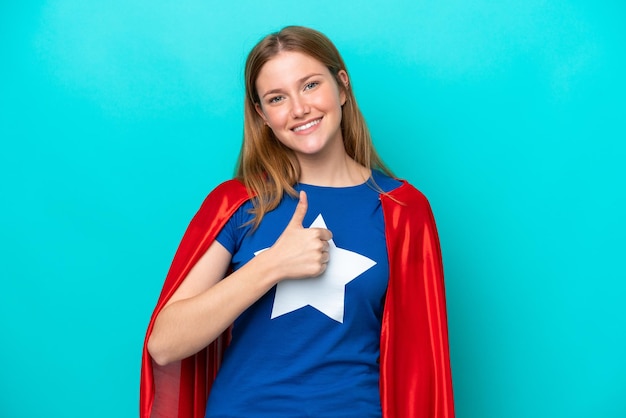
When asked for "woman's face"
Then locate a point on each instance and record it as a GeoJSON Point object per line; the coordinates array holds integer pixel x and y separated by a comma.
{"type": "Point", "coordinates": [301, 102]}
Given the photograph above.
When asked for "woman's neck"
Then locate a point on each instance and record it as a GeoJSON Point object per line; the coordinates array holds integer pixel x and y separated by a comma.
{"type": "Point", "coordinates": [337, 171]}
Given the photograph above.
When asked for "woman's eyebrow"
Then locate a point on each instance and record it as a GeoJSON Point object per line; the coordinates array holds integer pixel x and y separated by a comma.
{"type": "Point", "coordinates": [300, 81]}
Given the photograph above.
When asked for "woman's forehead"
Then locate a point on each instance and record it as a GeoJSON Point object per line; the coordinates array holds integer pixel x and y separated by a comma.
{"type": "Point", "coordinates": [289, 66]}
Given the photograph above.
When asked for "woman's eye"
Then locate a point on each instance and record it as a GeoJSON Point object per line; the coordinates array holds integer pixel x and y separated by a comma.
{"type": "Point", "coordinates": [275, 99]}
{"type": "Point", "coordinates": [311, 85]}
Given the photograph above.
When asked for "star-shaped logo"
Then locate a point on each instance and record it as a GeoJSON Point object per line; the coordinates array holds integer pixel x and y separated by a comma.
{"type": "Point", "coordinates": [326, 293]}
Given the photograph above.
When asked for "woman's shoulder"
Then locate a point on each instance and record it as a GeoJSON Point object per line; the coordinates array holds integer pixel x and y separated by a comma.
{"type": "Point", "coordinates": [230, 187]}
{"type": "Point", "coordinates": [385, 182]}
{"type": "Point", "coordinates": [404, 192]}
{"type": "Point", "coordinates": [227, 196]}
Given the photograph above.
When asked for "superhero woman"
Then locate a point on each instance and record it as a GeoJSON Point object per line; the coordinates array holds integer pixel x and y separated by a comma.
{"type": "Point", "coordinates": [311, 285]}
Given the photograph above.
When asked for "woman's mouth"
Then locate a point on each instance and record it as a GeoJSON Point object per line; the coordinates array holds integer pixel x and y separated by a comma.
{"type": "Point", "coordinates": [307, 125]}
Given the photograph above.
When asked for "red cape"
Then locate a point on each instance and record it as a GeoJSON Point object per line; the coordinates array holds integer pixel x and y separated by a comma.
{"type": "Point", "coordinates": [415, 378]}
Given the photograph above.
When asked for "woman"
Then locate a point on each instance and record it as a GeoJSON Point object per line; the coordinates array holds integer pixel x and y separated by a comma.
{"type": "Point", "coordinates": [328, 267]}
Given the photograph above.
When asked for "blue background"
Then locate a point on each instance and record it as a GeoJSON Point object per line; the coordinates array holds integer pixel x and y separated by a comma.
{"type": "Point", "coordinates": [117, 117]}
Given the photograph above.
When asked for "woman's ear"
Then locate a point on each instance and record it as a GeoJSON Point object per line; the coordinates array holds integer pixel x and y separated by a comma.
{"type": "Point", "coordinates": [343, 78]}
{"type": "Point", "coordinates": [259, 110]}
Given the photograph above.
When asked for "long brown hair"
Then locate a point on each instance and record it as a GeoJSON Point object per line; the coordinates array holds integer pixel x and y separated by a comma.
{"type": "Point", "coordinates": [266, 166]}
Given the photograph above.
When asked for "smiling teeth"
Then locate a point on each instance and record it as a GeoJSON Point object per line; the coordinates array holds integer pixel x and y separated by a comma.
{"type": "Point", "coordinates": [306, 126]}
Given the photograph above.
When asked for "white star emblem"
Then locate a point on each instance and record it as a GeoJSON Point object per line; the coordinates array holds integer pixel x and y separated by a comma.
{"type": "Point", "coordinates": [326, 293]}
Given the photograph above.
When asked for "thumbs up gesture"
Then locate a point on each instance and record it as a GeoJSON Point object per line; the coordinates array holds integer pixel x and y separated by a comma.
{"type": "Point", "coordinates": [301, 252]}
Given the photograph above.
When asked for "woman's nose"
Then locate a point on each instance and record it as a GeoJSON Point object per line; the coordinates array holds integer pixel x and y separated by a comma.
{"type": "Point", "coordinates": [299, 107]}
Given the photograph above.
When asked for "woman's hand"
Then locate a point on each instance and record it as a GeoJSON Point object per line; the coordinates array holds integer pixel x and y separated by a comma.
{"type": "Point", "coordinates": [300, 252]}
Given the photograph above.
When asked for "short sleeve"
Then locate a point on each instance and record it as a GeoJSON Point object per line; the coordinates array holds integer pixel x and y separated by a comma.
{"type": "Point", "coordinates": [226, 237]}
{"type": "Point", "coordinates": [232, 234]}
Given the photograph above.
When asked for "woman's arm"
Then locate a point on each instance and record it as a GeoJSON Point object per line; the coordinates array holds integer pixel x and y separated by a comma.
{"type": "Point", "coordinates": [205, 305]}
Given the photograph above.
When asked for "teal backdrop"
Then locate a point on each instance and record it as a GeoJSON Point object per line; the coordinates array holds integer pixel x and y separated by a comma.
{"type": "Point", "coordinates": [117, 117]}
